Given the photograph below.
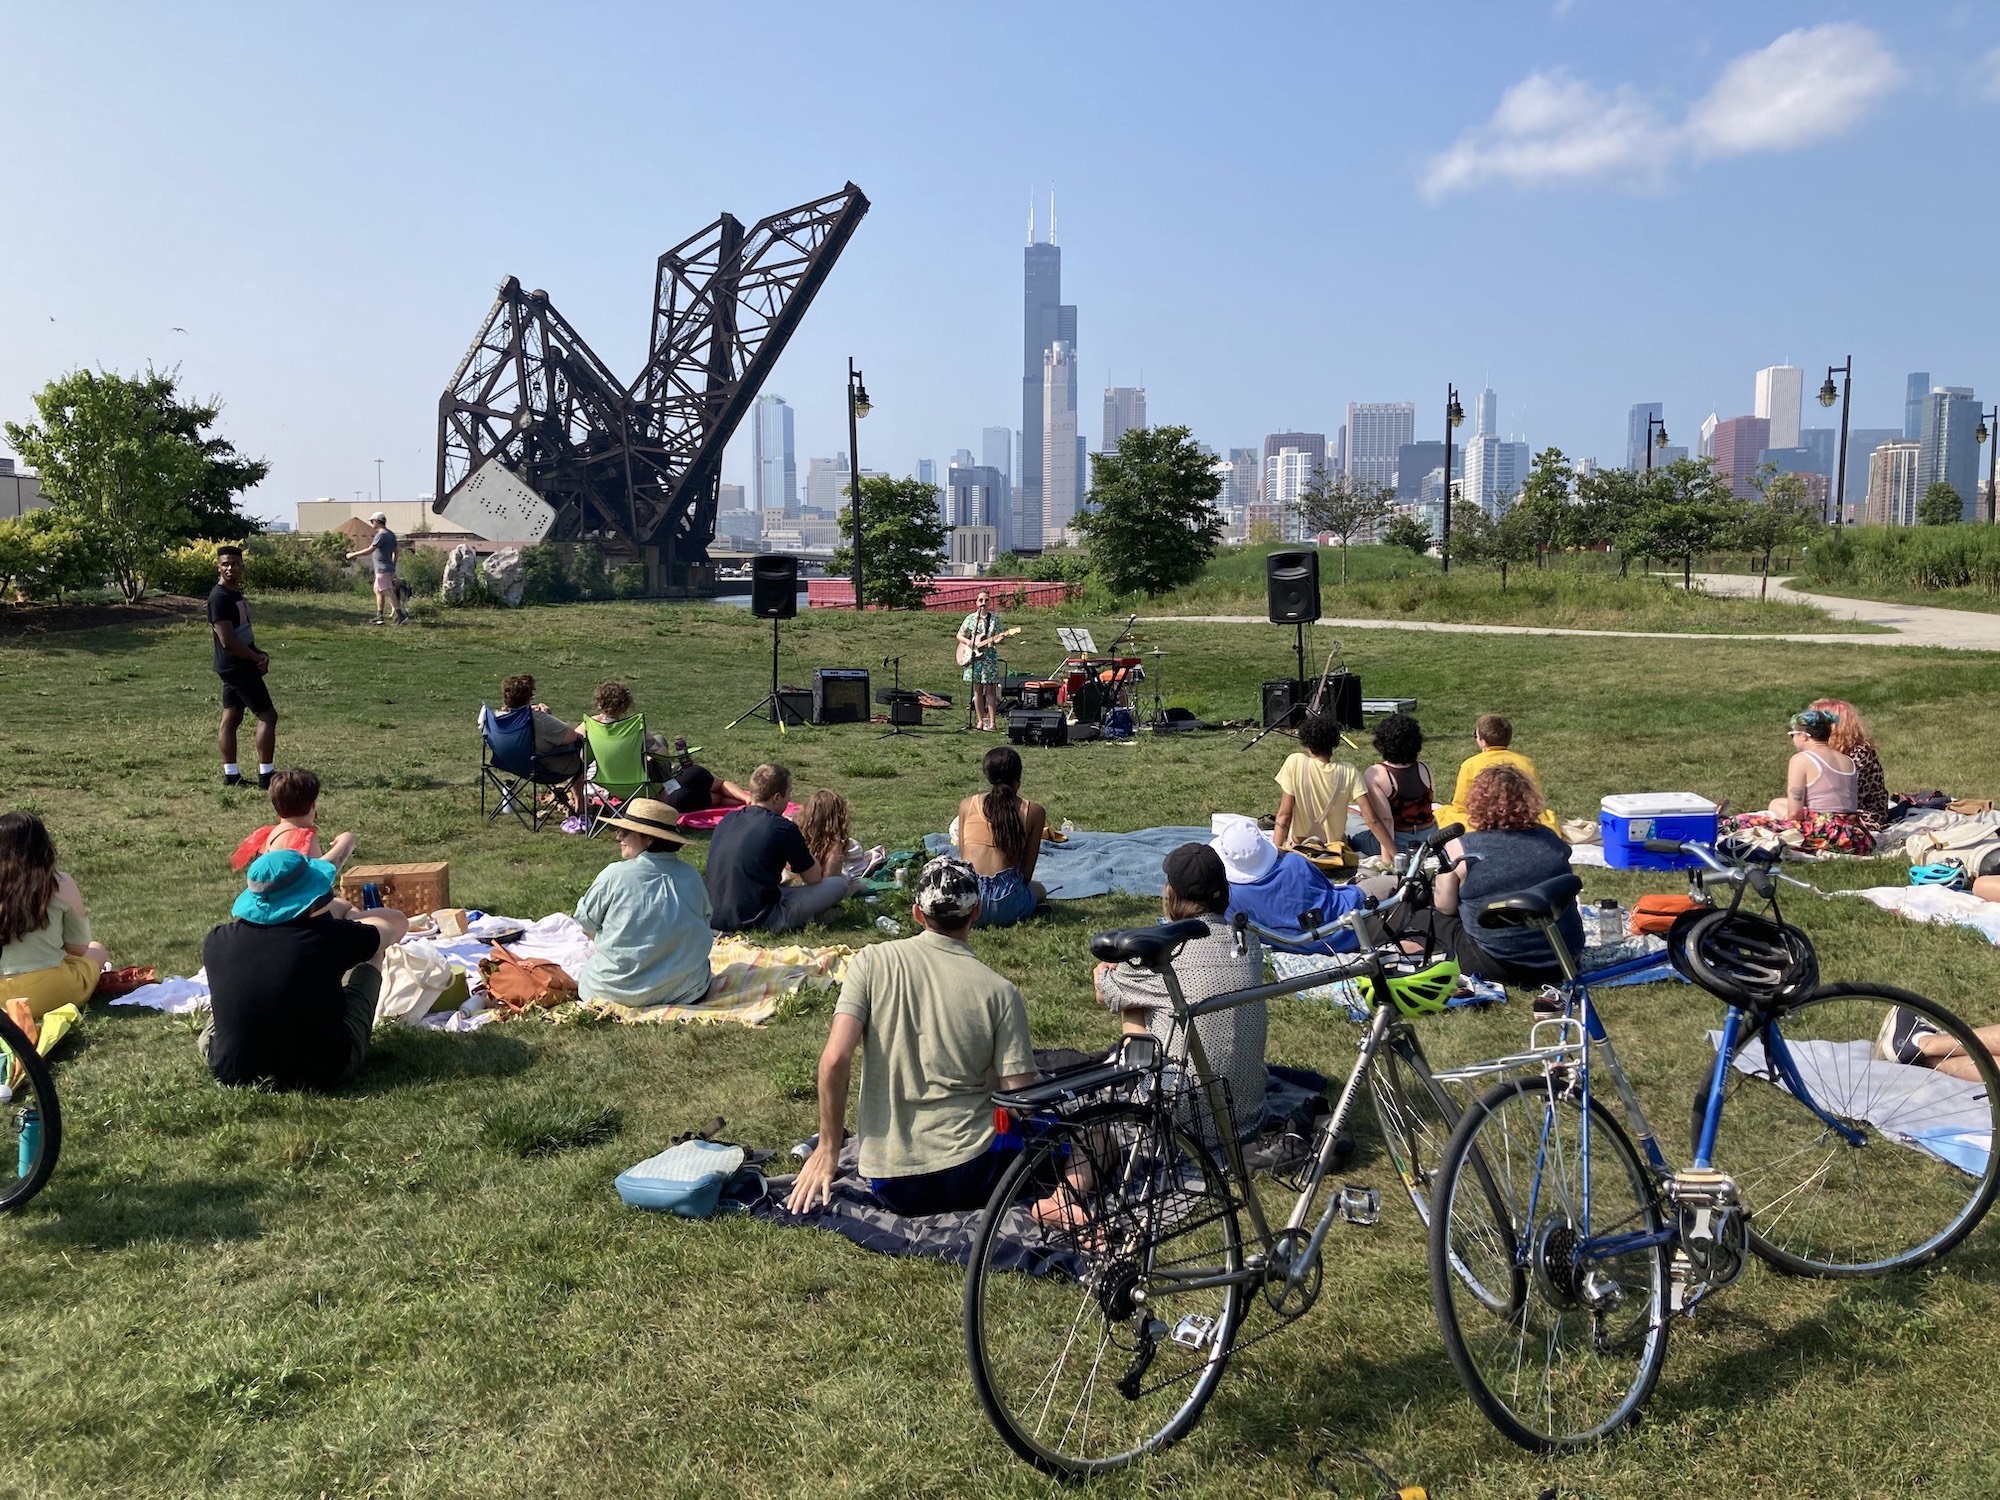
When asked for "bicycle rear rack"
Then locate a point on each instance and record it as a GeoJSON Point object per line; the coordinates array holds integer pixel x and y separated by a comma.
{"type": "Point", "coordinates": [1565, 1047]}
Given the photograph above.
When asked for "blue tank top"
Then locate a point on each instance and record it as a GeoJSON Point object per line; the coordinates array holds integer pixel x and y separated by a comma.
{"type": "Point", "coordinates": [1509, 860]}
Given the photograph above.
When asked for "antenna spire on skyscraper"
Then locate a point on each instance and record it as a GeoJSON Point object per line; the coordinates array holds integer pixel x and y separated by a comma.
{"type": "Point", "coordinates": [1031, 215]}
{"type": "Point", "coordinates": [1052, 213]}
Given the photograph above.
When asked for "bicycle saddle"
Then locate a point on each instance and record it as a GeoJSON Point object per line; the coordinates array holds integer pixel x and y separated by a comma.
{"type": "Point", "coordinates": [1532, 907]}
{"type": "Point", "coordinates": [1148, 947]}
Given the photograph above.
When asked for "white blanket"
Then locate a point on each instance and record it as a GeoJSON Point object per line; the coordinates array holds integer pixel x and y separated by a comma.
{"type": "Point", "coordinates": [1933, 903]}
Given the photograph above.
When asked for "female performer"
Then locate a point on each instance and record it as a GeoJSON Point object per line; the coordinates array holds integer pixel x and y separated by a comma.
{"type": "Point", "coordinates": [983, 670]}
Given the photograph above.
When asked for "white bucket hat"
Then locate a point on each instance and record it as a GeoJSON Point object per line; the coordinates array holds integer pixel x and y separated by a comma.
{"type": "Point", "coordinates": [1247, 856]}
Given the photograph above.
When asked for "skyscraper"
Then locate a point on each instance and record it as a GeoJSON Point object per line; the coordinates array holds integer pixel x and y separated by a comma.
{"type": "Point", "coordinates": [1045, 322]}
{"type": "Point", "coordinates": [1375, 431]}
{"type": "Point", "coordinates": [1060, 483]}
{"type": "Point", "coordinates": [927, 470]}
{"type": "Point", "coordinates": [1313, 443]}
{"type": "Point", "coordinates": [1738, 442]}
{"type": "Point", "coordinates": [1124, 409]}
{"type": "Point", "coordinates": [777, 469]}
{"type": "Point", "coordinates": [1949, 453]}
{"type": "Point", "coordinates": [1635, 432]}
{"type": "Point", "coordinates": [1494, 471]}
{"type": "Point", "coordinates": [1780, 390]}
{"type": "Point", "coordinates": [1706, 448]}
{"type": "Point", "coordinates": [1893, 490]}
{"type": "Point", "coordinates": [1245, 487]}
{"type": "Point", "coordinates": [1916, 390]}
{"type": "Point", "coordinates": [826, 480]}
{"type": "Point", "coordinates": [1485, 412]}
{"type": "Point", "coordinates": [1287, 475]}
{"type": "Point", "coordinates": [996, 450]}
{"type": "Point", "coordinates": [976, 496]}
{"type": "Point", "coordinates": [1414, 461]}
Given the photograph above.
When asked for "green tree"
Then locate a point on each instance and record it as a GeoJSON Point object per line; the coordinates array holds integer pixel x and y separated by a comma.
{"type": "Point", "coordinates": [1152, 523]}
{"type": "Point", "coordinates": [905, 540]}
{"type": "Point", "coordinates": [1942, 505]}
{"type": "Point", "coordinates": [1484, 541]}
{"type": "Point", "coordinates": [1408, 531]}
{"type": "Point", "coordinates": [1782, 515]}
{"type": "Point", "coordinates": [1344, 508]}
{"type": "Point", "coordinates": [125, 463]}
{"type": "Point", "coordinates": [1544, 507]}
{"type": "Point", "coordinates": [1609, 505]}
{"type": "Point", "coordinates": [1690, 508]}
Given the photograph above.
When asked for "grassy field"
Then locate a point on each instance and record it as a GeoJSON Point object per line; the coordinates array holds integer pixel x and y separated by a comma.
{"type": "Point", "coordinates": [399, 1291]}
{"type": "Point", "coordinates": [1580, 593]}
{"type": "Point", "coordinates": [1986, 601]}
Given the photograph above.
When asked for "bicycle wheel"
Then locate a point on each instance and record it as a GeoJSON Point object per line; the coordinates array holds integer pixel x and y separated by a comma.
{"type": "Point", "coordinates": [1557, 1340]}
{"type": "Point", "coordinates": [1918, 1172]}
{"type": "Point", "coordinates": [1413, 1112]}
{"type": "Point", "coordinates": [1086, 1348]}
{"type": "Point", "coordinates": [30, 1118]}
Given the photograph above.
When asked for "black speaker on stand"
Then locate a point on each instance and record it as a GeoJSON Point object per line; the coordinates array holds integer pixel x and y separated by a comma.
{"type": "Point", "coordinates": [774, 596]}
{"type": "Point", "coordinates": [1291, 585]}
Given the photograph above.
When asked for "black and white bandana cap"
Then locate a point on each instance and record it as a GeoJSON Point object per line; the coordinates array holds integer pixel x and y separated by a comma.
{"type": "Point", "coordinates": [947, 888]}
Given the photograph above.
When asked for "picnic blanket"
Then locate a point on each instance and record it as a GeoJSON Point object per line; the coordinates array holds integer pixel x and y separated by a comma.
{"type": "Point", "coordinates": [1933, 903]}
{"type": "Point", "coordinates": [1933, 1112]}
{"type": "Point", "coordinates": [857, 1213]}
{"type": "Point", "coordinates": [1100, 864]}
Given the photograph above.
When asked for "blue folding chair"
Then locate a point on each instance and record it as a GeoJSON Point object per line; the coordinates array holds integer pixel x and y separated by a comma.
{"type": "Point", "coordinates": [513, 772]}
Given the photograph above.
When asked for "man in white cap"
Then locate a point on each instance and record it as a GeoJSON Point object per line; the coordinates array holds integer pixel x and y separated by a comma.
{"type": "Point", "coordinates": [938, 1032]}
{"type": "Point", "coordinates": [1275, 889]}
{"type": "Point", "coordinates": [383, 547]}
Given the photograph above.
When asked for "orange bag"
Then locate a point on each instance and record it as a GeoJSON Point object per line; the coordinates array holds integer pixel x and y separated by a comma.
{"type": "Point", "coordinates": [517, 984]}
{"type": "Point", "coordinates": [1653, 915]}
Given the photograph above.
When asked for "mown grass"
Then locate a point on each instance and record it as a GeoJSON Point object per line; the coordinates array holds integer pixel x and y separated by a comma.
{"type": "Point", "coordinates": [1573, 593]}
{"type": "Point", "coordinates": [427, 1285]}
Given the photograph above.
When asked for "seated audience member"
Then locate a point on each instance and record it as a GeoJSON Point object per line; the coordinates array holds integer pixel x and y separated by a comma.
{"type": "Point", "coordinates": [1506, 849]}
{"type": "Point", "coordinates": [46, 955]}
{"type": "Point", "coordinates": [1402, 783]}
{"type": "Point", "coordinates": [694, 788]}
{"type": "Point", "coordinates": [551, 735]}
{"type": "Point", "coordinates": [747, 859]}
{"type": "Point", "coordinates": [1851, 738]}
{"type": "Point", "coordinates": [1494, 734]}
{"type": "Point", "coordinates": [1314, 791]}
{"type": "Point", "coordinates": [279, 1011]}
{"type": "Point", "coordinates": [1908, 1038]}
{"type": "Point", "coordinates": [1821, 805]}
{"type": "Point", "coordinates": [611, 704]}
{"type": "Point", "coordinates": [1000, 836]}
{"type": "Point", "coordinates": [649, 915]}
{"type": "Point", "coordinates": [1233, 1040]}
{"type": "Point", "coordinates": [826, 822]}
{"type": "Point", "coordinates": [938, 1032]}
{"type": "Point", "coordinates": [1274, 889]}
{"type": "Point", "coordinates": [295, 799]}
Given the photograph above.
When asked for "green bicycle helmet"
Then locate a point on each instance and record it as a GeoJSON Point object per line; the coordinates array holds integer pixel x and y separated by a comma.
{"type": "Point", "coordinates": [1425, 992]}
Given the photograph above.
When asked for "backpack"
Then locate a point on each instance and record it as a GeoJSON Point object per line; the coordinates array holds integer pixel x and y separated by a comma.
{"type": "Point", "coordinates": [1655, 914]}
{"type": "Point", "coordinates": [1974, 845]}
{"type": "Point", "coordinates": [697, 1176]}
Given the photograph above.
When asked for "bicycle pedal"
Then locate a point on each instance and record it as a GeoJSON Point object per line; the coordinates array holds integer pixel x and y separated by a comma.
{"type": "Point", "coordinates": [1194, 1331]}
{"type": "Point", "coordinates": [1360, 1205]}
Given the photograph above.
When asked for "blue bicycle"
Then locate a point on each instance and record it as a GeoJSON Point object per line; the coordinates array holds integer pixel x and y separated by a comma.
{"type": "Point", "coordinates": [1856, 1123]}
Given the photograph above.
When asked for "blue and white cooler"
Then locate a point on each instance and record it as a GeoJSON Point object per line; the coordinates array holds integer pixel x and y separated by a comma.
{"type": "Point", "coordinates": [1627, 821]}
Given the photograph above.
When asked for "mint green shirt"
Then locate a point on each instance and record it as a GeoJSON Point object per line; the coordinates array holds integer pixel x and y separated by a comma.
{"type": "Point", "coordinates": [43, 948]}
{"type": "Point", "coordinates": [649, 915]}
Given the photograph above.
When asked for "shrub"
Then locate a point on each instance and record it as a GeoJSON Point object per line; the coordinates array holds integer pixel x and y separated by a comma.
{"type": "Point", "coordinates": [273, 563]}
{"type": "Point", "coordinates": [1924, 558]}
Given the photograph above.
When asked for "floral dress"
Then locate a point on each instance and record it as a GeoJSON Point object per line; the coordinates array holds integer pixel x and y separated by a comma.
{"type": "Point", "coordinates": [985, 664]}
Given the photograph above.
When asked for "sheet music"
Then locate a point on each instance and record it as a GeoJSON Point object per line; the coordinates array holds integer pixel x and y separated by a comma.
{"type": "Point", "coordinates": [1076, 641]}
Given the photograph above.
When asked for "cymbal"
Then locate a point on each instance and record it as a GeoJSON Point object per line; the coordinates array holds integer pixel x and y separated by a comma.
{"type": "Point", "coordinates": [1159, 651]}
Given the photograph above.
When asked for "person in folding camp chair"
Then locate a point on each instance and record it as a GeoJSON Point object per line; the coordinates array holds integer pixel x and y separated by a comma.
{"type": "Point", "coordinates": [552, 736]}
{"type": "Point", "coordinates": [622, 753]}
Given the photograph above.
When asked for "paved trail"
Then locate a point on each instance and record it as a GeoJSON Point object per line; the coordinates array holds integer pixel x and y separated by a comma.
{"type": "Point", "coordinates": [1913, 624]}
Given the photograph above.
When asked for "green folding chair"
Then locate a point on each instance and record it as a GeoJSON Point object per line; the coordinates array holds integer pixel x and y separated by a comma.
{"type": "Point", "coordinates": [619, 772]}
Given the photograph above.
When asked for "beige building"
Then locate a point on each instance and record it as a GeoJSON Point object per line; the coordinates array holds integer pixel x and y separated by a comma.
{"type": "Point", "coordinates": [406, 517]}
{"type": "Point", "coordinates": [972, 548]}
{"type": "Point", "coordinates": [1893, 470]}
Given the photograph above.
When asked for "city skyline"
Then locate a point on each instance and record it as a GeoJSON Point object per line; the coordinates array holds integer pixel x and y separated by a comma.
{"type": "Point", "coordinates": [329, 316]}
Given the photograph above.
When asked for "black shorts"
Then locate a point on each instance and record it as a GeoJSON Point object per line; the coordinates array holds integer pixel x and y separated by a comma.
{"type": "Point", "coordinates": [243, 687]}
{"type": "Point", "coordinates": [952, 1190]}
{"type": "Point", "coordinates": [695, 792]}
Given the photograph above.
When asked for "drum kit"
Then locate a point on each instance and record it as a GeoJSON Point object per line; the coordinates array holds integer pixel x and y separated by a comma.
{"type": "Point", "coordinates": [1098, 689]}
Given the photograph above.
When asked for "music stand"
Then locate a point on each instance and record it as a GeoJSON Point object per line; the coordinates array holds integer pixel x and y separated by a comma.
{"type": "Point", "coordinates": [1076, 640]}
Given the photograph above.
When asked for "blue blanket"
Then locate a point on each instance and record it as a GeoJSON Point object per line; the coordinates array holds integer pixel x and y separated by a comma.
{"type": "Point", "coordinates": [1099, 864]}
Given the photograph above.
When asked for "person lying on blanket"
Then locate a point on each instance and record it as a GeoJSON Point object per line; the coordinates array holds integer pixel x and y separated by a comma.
{"type": "Point", "coordinates": [649, 915]}
{"type": "Point", "coordinates": [938, 1032]}
{"type": "Point", "coordinates": [1232, 1040]}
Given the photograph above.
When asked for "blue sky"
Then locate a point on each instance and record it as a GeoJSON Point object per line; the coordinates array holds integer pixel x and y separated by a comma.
{"type": "Point", "coordinates": [1266, 211]}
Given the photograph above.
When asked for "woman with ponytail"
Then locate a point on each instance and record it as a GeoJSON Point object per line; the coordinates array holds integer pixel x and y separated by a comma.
{"type": "Point", "coordinates": [1000, 836]}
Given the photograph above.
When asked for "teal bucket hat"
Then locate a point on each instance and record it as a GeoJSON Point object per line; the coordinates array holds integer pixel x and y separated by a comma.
{"type": "Point", "coordinates": [282, 885]}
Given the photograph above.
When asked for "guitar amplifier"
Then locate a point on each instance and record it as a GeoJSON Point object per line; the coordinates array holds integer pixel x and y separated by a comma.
{"type": "Point", "coordinates": [840, 695]}
{"type": "Point", "coordinates": [1339, 694]}
{"type": "Point", "coordinates": [1038, 726]}
{"type": "Point", "coordinates": [1039, 694]}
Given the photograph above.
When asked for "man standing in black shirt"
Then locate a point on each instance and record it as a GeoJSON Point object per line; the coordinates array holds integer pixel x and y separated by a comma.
{"type": "Point", "coordinates": [747, 859]}
{"type": "Point", "coordinates": [241, 666]}
{"type": "Point", "coordinates": [279, 1011]}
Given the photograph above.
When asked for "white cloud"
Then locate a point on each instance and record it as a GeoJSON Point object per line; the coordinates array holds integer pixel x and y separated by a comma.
{"type": "Point", "coordinates": [1552, 129]}
{"type": "Point", "coordinates": [1806, 86]}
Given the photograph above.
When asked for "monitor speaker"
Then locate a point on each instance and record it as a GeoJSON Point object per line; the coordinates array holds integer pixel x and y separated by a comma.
{"type": "Point", "coordinates": [774, 586]}
{"type": "Point", "coordinates": [1038, 726]}
{"type": "Point", "coordinates": [840, 695]}
{"type": "Point", "coordinates": [1282, 702]}
{"type": "Point", "coordinates": [1340, 696]}
{"type": "Point", "coordinates": [795, 705]}
{"type": "Point", "coordinates": [1291, 578]}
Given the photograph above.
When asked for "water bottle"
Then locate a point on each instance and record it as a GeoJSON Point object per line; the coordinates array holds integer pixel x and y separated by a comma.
{"type": "Point", "coordinates": [1068, 828]}
{"type": "Point", "coordinates": [371, 896]}
{"type": "Point", "coordinates": [1608, 924]}
{"type": "Point", "coordinates": [890, 926]}
{"type": "Point", "coordinates": [30, 1122]}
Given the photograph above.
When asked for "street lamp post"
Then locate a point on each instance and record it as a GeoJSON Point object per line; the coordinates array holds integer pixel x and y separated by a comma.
{"type": "Point", "coordinates": [1989, 428]}
{"type": "Point", "coordinates": [378, 481]}
{"type": "Point", "coordinates": [1827, 396]}
{"type": "Point", "coordinates": [1454, 415]}
{"type": "Point", "coordinates": [857, 407]}
{"type": "Point", "coordinates": [1652, 422]}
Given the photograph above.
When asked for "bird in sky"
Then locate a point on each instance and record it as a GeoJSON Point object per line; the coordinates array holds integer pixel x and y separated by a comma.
{"type": "Point", "coordinates": [180, 330]}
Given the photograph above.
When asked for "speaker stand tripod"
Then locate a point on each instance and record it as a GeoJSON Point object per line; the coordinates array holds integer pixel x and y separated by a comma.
{"type": "Point", "coordinates": [1288, 721]}
{"type": "Point", "coordinates": [771, 703]}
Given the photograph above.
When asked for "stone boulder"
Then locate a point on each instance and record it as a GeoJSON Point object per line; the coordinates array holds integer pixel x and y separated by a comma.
{"type": "Point", "coordinates": [506, 576]}
{"type": "Point", "coordinates": [461, 575]}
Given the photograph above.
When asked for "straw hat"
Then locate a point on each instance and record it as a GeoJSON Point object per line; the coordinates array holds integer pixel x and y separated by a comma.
{"type": "Point", "coordinates": [654, 819]}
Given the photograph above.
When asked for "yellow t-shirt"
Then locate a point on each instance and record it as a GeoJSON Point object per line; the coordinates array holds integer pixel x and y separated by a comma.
{"type": "Point", "coordinates": [1468, 772]}
{"type": "Point", "coordinates": [1320, 793]}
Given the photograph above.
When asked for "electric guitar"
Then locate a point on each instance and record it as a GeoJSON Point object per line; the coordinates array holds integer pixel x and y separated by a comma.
{"type": "Point", "coordinates": [980, 643]}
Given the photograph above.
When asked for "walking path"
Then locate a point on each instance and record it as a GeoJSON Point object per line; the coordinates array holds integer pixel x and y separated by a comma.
{"type": "Point", "coordinates": [1912, 624]}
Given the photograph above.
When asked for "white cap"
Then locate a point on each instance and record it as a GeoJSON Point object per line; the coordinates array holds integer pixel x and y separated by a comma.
{"type": "Point", "coordinates": [380, 515]}
{"type": "Point", "coordinates": [1247, 856]}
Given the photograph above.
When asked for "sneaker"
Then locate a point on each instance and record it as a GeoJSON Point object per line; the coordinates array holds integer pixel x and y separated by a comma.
{"type": "Point", "coordinates": [402, 619]}
{"type": "Point", "coordinates": [229, 780]}
{"type": "Point", "coordinates": [1897, 1040]}
{"type": "Point", "coordinates": [264, 780]}
{"type": "Point", "coordinates": [378, 620]}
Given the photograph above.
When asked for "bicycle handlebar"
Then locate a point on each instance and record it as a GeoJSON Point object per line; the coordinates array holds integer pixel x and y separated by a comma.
{"type": "Point", "coordinates": [1758, 876]}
